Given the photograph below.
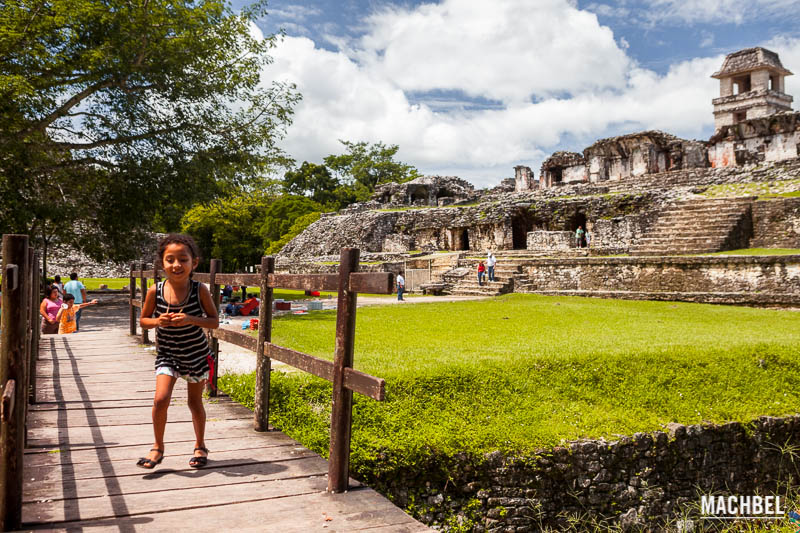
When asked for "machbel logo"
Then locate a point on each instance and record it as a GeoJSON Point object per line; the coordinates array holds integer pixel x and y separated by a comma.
{"type": "Point", "coordinates": [741, 507]}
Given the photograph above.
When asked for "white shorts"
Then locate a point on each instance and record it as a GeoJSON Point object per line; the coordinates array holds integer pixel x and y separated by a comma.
{"type": "Point", "coordinates": [167, 371]}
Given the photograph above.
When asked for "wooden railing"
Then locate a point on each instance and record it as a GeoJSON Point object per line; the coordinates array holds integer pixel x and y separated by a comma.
{"type": "Point", "coordinates": [347, 283]}
{"type": "Point", "coordinates": [19, 348]}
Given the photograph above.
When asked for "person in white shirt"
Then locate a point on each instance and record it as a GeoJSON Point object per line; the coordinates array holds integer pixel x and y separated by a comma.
{"type": "Point", "coordinates": [490, 262]}
{"type": "Point", "coordinates": [401, 287]}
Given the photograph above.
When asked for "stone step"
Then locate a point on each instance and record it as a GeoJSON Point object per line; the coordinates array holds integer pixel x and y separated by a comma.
{"type": "Point", "coordinates": [676, 214]}
{"type": "Point", "coordinates": [471, 292]}
{"type": "Point", "coordinates": [680, 232]}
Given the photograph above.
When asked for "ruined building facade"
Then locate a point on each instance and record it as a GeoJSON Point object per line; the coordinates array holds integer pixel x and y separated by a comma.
{"type": "Point", "coordinates": [753, 122]}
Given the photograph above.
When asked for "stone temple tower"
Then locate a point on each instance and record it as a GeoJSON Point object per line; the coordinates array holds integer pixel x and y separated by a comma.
{"type": "Point", "coordinates": [750, 86]}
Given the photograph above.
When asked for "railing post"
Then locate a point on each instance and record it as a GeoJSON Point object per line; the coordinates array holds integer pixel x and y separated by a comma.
{"type": "Point", "coordinates": [34, 314]}
{"type": "Point", "coordinates": [214, 268]}
{"type": "Point", "coordinates": [132, 296]}
{"type": "Point", "coordinates": [13, 379]}
{"type": "Point", "coordinates": [143, 288]}
{"type": "Point", "coordinates": [342, 407]}
{"type": "Point", "coordinates": [264, 363]}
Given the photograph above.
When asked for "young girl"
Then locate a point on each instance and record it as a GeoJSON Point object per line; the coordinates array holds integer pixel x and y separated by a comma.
{"type": "Point", "coordinates": [66, 316]}
{"type": "Point", "coordinates": [179, 308]}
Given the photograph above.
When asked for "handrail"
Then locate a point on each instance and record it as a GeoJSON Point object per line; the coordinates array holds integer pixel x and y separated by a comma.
{"type": "Point", "coordinates": [19, 346]}
{"type": "Point", "coordinates": [346, 380]}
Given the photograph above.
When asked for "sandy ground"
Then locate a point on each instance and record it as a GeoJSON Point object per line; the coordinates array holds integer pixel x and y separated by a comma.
{"type": "Point", "coordinates": [113, 311]}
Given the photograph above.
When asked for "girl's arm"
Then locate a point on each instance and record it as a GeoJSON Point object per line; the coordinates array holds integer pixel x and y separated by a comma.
{"type": "Point", "coordinates": [58, 315]}
{"type": "Point", "coordinates": [210, 321]}
{"type": "Point", "coordinates": [147, 321]}
{"type": "Point", "coordinates": [87, 304]}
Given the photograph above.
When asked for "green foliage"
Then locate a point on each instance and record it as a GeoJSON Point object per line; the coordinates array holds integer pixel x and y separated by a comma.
{"type": "Point", "coordinates": [522, 372]}
{"type": "Point", "coordinates": [229, 229]}
{"type": "Point", "coordinates": [281, 215]}
{"type": "Point", "coordinates": [300, 224]}
{"type": "Point", "coordinates": [117, 116]}
{"type": "Point", "coordinates": [314, 181]}
{"type": "Point", "coordinates": [366, 166]}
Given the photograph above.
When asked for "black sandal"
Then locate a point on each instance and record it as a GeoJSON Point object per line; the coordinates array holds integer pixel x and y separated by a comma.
{"type": "Point", "coordinates": [199, 461]}
{"type": "Point", "coordinates": [146, 462]}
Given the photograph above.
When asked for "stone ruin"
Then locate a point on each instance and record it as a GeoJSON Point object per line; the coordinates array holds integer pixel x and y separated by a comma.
{"type": "Point", "coordinates": [644, 194]}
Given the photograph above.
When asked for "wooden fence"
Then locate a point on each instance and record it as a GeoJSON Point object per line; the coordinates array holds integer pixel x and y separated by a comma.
{"type": "Point", "coordinates": [19, 348]}
{"type": "Point", "coordinates": [348, 283]}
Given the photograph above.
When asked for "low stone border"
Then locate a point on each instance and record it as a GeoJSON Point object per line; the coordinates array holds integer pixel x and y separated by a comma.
{"type": "Point", "coordinates": [643, 481]}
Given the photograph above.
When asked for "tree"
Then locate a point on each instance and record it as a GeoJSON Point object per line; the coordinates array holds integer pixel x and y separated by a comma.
{"type": "Point", "coordinates": [366, 166]}
{"type": "Point", "coordinates": [125, 112]}
{"type": "Point", "coordinates": [314, 181]}
{"type": "Point", "coordinates": [281, 215]}
{"type": "Point", "coordinates": [229, 229]}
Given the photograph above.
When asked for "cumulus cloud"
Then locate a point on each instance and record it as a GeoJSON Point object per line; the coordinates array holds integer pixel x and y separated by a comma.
{"type": "Point", "coordinates": [542, 94]}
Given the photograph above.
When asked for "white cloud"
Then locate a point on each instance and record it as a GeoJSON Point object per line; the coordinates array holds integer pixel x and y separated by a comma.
{"type": "Point", "coordinates": [295, 12]}
{"type": "Point", "coordinates": [358, 93]}
{"type": "Point", "coordinates": [506, 50]}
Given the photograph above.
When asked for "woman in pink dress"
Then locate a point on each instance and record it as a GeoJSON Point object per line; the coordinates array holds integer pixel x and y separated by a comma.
{"type": "Point", "coordinates": [49, 310]}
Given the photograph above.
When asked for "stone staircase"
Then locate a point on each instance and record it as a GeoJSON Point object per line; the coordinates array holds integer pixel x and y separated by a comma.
{"type": "Point", "coordinates": [503, 283]}
{"type": "Point", "coordinates": [696, 226]}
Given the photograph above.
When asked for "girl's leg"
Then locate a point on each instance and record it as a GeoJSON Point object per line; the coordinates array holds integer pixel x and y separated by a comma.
{"type": "Point", "coordinates": [164, 385]}
{"type": "Point", "coordinates": [198, 415]}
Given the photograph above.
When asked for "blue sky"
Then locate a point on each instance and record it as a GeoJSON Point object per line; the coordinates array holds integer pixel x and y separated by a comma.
{"type": "Point", "coordinates": [472, 88]}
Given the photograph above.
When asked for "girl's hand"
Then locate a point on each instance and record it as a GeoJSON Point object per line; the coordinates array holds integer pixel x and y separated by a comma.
{"type": "Point", "coordinates": [180, 319]}
{"type": "Point", "coordinates": [51, 321]}
{"type": "Point", "coordinates": [165, 319]}
{"type": "Point", "coordinates": [94, 302]}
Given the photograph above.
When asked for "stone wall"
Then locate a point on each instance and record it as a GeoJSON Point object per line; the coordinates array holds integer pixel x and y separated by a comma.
{"type": "Point", "coordinates": [738, 279]}
{"type": "Point", "coordinates": [644, 481]}
{"type": "Point", "coordinates": [551, 240]}
{"type": "Point", "coordinates": [776, 223]}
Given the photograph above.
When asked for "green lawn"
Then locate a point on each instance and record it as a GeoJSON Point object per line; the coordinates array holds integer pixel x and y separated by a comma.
{"type": "Point", "coordinates": [522, 372]}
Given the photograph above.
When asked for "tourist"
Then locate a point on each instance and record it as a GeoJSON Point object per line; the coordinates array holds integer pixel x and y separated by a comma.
{"type": "Point", "coordinates": [78, 290]}
{"type": "Point", "coordinates": [59, 285]}
{"type": "Point", "coordinates": [481, 273]}
{"type": "Point", "coordinates": [48, 309]}
{"type": "Point", "coordinates": [401, 286]}
{"type": "Point", "coordinates": [579, 233]}
{"type": "Point", "coordinates": [588, 238]}
{"type": "Point", "coordinates": [179, 308]}
{"type": "Point", "coordinates": [67, 315]}
{"type": "Point", "coordinates": [490, 262]}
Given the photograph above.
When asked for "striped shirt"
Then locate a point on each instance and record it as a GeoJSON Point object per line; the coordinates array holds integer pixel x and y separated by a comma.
{"type": "Point", "coordinates": [185, 348]}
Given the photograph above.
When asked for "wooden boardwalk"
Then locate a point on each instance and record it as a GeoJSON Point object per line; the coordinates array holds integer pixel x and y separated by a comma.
{"type": "Point", "coordinates": [92, 421]}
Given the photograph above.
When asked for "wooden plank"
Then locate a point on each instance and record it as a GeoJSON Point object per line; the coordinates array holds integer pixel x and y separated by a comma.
{"type": "Point", "coordinates": [148, 503]}
{"type": "Point", "coordinates": [372, 282]}
{"type": "Point", "coordinates": [64, 457]}
{"type": "Point", "coordinates": [251, 280]}
{"type": "Point", "coordinates": [238, 338]}
{"type": "Point", "coordinates": [308, 363]}
{"type": "Point", "coordinates": [314, 511]}
{"type": "Point", "coordinates": [263, 361]}
{"type": "Point", "coordinates": [176, 459]}
{"type": "Point", "coordinates": [354, 380]}
{"type": "Point", "coordinates": [13, 367]}
{"type": "Point", "coordinates": [342, 401]}
{"type": "Point", "coordinates": [174, 473]}
{"type": "Point", "coordinates": [304, 282]}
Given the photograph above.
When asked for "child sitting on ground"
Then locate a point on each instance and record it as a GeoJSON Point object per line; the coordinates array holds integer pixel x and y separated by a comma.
{"type": "Point", "coordinates": [66, 315]}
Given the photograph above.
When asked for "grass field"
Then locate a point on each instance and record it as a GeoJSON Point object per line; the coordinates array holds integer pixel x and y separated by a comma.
{"type": "Point", "coordinates": [521, 372]}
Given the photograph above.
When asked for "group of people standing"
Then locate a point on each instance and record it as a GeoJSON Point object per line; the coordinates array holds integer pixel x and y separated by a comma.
{"type": "Point", "coordinates": [486, 267]}
{"type": "Point", "coordinates": [62, 305]}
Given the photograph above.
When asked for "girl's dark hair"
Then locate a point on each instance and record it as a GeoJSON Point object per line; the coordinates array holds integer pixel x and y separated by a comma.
{"type": "Point", "coordinates": [178, 238]}
{"type": "Point", "coordinates": [68, 297]}
{"type": "Point", "coordinates": [49, 290]}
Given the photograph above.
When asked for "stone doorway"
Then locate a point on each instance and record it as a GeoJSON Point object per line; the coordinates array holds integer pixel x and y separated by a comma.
{"type": "Point", "coordinates": [459, 239]}
{"type": "Point", "coordinates": [521, 224]}
{"type": "Point", "coordinates": [578, 220]}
